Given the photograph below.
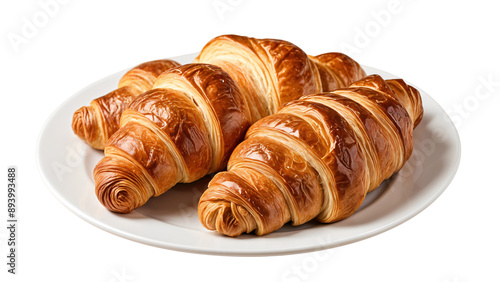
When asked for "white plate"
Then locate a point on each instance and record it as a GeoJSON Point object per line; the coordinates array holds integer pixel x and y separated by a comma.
{"type": "Point", "coordinates": [170, 221]}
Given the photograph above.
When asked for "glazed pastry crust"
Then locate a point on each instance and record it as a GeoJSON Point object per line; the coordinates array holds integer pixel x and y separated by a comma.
{"type": "Point", "coordinates": [316, 158]}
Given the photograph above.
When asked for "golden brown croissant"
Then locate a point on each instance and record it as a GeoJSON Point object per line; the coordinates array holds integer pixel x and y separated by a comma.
{"type": "Point", "coordinates": [96, 123]}
{"type": "Point", "coordinates": [271, 72]}
{"type": "Point", "coordinates": [189, 123]}
{"type": "Point", "coordinates": [317, 157]}
{"type": "Point", "coordinates": [181, 130]}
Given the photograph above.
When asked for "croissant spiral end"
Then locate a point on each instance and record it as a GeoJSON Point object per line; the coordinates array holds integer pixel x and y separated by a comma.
{"type": "Point", "coordinates": [119, 187]}
{"type": "Point", "coordinates": [85, 126]}
{"type": "Point", "coordinates": [225, 217]}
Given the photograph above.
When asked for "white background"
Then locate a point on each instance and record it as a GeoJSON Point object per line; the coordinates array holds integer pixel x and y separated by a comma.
{"type": "Point", "coordinates": [446, 48]}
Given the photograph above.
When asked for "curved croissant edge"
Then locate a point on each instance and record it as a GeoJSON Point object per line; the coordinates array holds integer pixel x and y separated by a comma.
{"type": "Point", "coordinates": [94, 124]}
{"type": "Point", "coordinates": [224, 206]}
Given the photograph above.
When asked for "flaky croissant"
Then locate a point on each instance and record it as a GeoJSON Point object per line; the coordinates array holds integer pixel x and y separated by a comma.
{"type": "Point", "coordinates": [96, 123]}
{"type": "Point", "coordinates": [316, 158]}
{"type": "Point", "coordinates": [272, 72]}
{"type": "Point", "coordinates": [181, 130]}
{"type": "Point", "coordinates": [195, 115]}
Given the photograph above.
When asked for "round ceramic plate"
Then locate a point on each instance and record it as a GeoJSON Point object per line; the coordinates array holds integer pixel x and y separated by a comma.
{"type": "Point", "coordinates": [170, 221]}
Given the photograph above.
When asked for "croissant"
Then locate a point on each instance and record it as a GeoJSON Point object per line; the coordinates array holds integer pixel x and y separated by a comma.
{"type": "Point", "coordinates": [272, 72]}
{"type": "Point", "coordinates": [316, 158]}
{"type": "Point", "coordinates": [96, 123]}
{"type": "Point", "coordinates": [195, 115]}
{"type": "Point", "coordinates": [183, 129]}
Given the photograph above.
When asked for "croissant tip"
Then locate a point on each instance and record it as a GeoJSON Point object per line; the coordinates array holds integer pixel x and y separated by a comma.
{"type": "Point", "coordinates": [221, 216]}
{"type": "Point", "coordinates": [78, 123]}
{"type": "Point", "coordinates": [115, 199]}
{"type": "Point", "coordinates": [123, 203]}
{"type": "Point", "coordinates": [117, 188]}
{"type": "Point", "coordinates": [84, 126]}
